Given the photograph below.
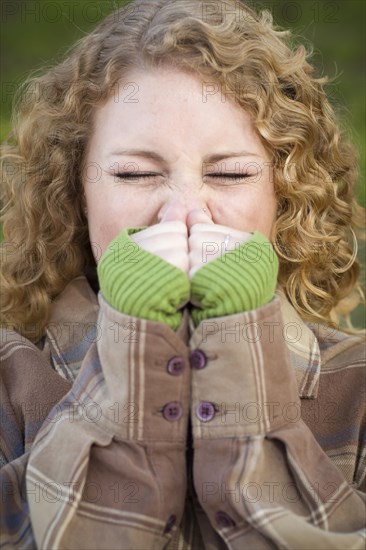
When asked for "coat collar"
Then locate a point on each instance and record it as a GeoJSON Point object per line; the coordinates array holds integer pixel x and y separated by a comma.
{"type": "Point", "coordinates": [303, 346]}
{"type": "Point", "coordinates": [72, 327]}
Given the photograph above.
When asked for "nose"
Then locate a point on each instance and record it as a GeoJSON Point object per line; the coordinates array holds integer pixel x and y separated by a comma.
{"type": "Point", "coordinates": [172, 210]}
{"type": "Point", "coordinates": [179, 204]}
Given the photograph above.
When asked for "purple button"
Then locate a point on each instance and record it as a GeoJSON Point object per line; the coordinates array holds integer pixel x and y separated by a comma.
{"type": "Point", "coordinates": [197, 359]}
{"type": "Point", "coordinates": [205, 411]}
{"type": "Point", "coordinates": [223, 520]}
{"type": "Point", "coordinates": [172, 411]}
{"type": "Point", "coordinates": [175, 366]}
{"type": "Point", "coordinates": [170, 523]}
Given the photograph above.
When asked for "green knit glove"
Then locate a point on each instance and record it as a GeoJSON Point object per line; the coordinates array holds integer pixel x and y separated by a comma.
{"type": "Point", "coordinates": [142, 284]}
{"type": "Point", "coordinates": [241, 280]}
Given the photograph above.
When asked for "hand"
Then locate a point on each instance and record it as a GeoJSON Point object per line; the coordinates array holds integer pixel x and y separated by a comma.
{"type": "Point", "coordinates": [152, 282]}
{"type": "Point", "coordinates": [206, 240]}
{"type": "Point", "coordinates": [167, 239]}
{"type": "Point", "coordinates": [244, 280]}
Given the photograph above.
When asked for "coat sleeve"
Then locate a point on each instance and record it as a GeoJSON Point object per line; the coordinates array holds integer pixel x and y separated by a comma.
{"type": "Point", "coordinates": [107, 467]}
{"type": "Point", "coordinates": [29, 389]}
{"type": "Point", "coordinates": [259, 473]}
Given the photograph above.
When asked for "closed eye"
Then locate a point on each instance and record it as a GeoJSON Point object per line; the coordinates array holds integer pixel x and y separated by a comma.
{"type": "Point", "coordinates": [136, 178]}
{"type": "Point", "coordinates": [134, 175]}
{"type": "Point", "coordinates": [228, 177]}
{"type": "Point", "coordinates": [232, 176]}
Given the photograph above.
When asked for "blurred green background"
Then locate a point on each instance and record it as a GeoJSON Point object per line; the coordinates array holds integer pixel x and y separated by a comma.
{"type": "Point", "coordinates": [36, 34]}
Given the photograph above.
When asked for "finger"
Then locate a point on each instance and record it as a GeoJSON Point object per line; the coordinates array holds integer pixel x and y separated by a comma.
{"type": "Point", "coordinates": [204, 251]}
{"type": "Point", "coordinates": [178, 258]}
{"type": "Point", "coordinates": [220, 231]}
{"type": "Point", "coordinates": [174, 211]}
{"type": "Point", "coordinates": [202, 238]}
{"type": "Point", "coordinates": [156, 243]}
{"type": "Point", "coordinates": [170, 228]}
{"type": "Point", "coordinates": [198, 216]}
{"type": "Point", "coordinates": [192, 271]}
{"type": "Point", "coordinates": [169, 246]}
{"type": "Point", "coordinates": [203, 256]}
{"type": "Point", "coordinates": [200, 248]}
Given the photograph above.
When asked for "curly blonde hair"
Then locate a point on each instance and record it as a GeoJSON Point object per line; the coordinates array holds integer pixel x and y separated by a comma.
{"type": "Point", "coordinates": [230, 46]}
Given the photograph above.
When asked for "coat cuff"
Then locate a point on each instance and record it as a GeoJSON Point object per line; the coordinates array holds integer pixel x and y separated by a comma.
{"type": "Point", "coordinates": [244, 384]}
{"type": "Point", "coordinates": [151, 360]}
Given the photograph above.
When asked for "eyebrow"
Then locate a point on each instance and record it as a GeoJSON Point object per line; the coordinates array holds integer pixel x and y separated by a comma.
{"type": "Point", "coordinates": [207, 158]}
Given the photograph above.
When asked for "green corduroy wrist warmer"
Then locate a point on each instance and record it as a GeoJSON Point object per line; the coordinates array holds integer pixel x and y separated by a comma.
{"type": "Point", "coordinates": [240, 280]}
{"type": "Point", "coordinates": [141, 284]}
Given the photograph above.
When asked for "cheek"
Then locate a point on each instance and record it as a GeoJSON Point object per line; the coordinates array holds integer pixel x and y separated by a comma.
{"type": "Point", "coordinates": [245, 211]}
{"type": "Point", "coordinates": [261, 216]}
{"type": "Point", "coordinates": [110, 213]}
{"type": "Point", "coordinates": [104, 221]}
{"type": "Point", "coordinates": [101, 233]}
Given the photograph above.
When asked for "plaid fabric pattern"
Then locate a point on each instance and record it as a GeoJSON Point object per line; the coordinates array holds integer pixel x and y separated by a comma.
{"type": "Point", "coordinates": [245, 432]}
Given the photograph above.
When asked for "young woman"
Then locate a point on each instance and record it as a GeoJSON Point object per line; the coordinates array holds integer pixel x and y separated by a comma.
{"type": "Point", "coordinates": [178, 205]}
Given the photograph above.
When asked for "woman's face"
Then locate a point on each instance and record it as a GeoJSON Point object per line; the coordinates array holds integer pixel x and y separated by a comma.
{"type": "Point", "coordinates": [192, 143]}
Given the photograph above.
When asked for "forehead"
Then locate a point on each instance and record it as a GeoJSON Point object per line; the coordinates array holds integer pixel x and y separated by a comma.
{"type": "Point", "coordinates": [174, 109]}
{"type": "Point", "coordinates": [169, 91]}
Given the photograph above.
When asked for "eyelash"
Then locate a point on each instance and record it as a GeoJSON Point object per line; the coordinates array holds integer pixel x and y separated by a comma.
{"type": "Point", "coordinates": [134, 176]}
{"type": "Point", "coordinates": [228, 176]}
